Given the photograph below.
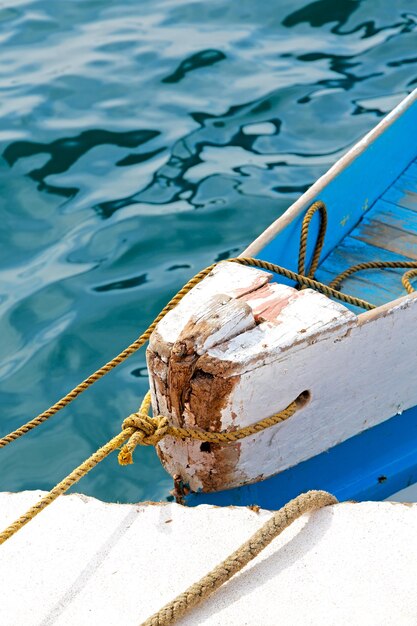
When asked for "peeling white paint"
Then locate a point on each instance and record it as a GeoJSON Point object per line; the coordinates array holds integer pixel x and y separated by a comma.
{"type": "Point", "coordinates": [355, 368]}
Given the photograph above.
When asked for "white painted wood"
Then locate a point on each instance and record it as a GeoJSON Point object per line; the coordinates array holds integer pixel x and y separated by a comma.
{"type": "Point", "coordinates": [218, 375]}
{"type": "Point", "coordinates": [355, 368]}
{"type": "Point", "coordinates": [357, 379]}
{"type": "Point", "coordinates": [230, 279]}
{"type": "Point", "coordinates": [82, 561]}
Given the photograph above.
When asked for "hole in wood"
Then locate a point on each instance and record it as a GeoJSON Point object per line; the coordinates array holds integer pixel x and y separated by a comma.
{"type": "Point", "coordinates": [205, 446]}
{"type": "Point", "coordinates": [303, 399]}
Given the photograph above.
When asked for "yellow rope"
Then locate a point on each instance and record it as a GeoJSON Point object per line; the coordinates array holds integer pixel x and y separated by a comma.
{"type": "Point", "coordinates": [320, 207]}
{"type": "Point", "coordinates": [66, 483]}
{"type": "Point", "coordinates": [379, 265]}
{"type": "Point", "coordinates": [199, 591]}
{"type": "Point", "coordinates": [105, 369]}
{"type": "Point", "coordinates": [407, 276]}
{"type": "Point", "coordinates": [141, 429]}
{"type": "Point", "coordinates": [305, 281]}
{"type": "Point", "coordinates": [150, 430]}
{"type": "Point", "coordinates": [315, 207]}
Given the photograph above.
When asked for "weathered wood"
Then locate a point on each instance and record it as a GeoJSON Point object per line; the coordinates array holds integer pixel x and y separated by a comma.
{"type": "Point", "coordinates": [389, 238]}
{"type": "Point", "coordinates": [186, 391]}
{"type": "Point", "coordinates": [198, 382]}
{"type": "Point", "coordinates": [387, 233]}
{"type": "Point", "coordinates": [232, 280]}
{"type": "Point", "coordinates": [403, 191]}
{"type": "Point", "coordinates": [354, 368]}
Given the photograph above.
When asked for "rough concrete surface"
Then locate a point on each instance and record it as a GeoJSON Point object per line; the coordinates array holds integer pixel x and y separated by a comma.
{"type": "Point", "coordinates": [82, 561]}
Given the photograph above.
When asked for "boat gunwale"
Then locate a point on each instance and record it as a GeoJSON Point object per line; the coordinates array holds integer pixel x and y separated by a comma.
{"type": "Point", "coordinates": [312, 193]}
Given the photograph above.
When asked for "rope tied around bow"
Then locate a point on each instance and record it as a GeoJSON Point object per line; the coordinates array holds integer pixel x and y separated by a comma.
{"type": "Point", "coordinates": [144, 430]}
{"type": "Point", "coordinates": [141, 429]}
{"type": "Point", "coordinates": [148, 431]}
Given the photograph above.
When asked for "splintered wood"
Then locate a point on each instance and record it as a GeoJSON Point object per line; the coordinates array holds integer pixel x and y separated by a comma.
{"type": "Point", "coordinates": [229, 325]}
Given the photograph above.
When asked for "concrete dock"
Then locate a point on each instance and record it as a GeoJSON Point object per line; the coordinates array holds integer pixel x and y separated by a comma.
{"type": "Point", "coordinates": [82, 561]}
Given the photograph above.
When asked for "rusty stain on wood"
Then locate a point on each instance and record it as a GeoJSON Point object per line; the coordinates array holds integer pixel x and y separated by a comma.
{"type": "Point", "coordinates": [193, 389]}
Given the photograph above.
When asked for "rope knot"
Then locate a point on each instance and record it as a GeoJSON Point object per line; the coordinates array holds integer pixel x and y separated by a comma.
{"type": "Point", "coordinates": [147, 431]}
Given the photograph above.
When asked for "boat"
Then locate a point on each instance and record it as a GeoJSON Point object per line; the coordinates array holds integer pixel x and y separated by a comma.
{"type": "Point", "coordinates": [245, 343]}
{"type": "Point", "coordinates": [286, 370]}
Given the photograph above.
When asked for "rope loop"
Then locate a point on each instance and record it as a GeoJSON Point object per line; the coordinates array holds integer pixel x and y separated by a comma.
{"type": "Point", "coordinates": [319, 207]}
{"type": "Point", "coordinates": [406, 278]}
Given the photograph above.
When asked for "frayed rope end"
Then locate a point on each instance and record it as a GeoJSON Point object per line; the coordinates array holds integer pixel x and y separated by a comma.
{"type": "Point", "coordinates": [125, 456]}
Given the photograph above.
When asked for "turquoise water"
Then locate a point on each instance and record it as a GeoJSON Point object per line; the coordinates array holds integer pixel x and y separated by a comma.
{"type": "Point", "coordinates": [141, 141]}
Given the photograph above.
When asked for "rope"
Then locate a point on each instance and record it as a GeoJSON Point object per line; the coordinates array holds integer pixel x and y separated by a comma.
{"type": "Point", "coordinates": [305, 281]}
{"type": "Point", "coordinates": [150, 430]}
{"type": "Point", "coordinates": [140, 429]}
{"type": "Point", "coordinates": [305, 226]}
{"type": "Point", "coordinates": [379, 265]}
{"type": "Point", "coordinates": [65, 484]}
{"type": "Point", "coordinates": [407, 276]}
{"type": "Point", "coordinates": [199, 591]}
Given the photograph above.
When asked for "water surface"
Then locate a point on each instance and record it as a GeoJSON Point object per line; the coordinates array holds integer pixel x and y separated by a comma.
{"type": "Point", "coordinates": [141, 141]}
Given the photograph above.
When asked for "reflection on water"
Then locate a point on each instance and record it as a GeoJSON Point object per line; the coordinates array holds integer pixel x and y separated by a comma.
{"type": "Point", "coordinates": [199, 59]}
{"type": "Point", "coordinates": [141, 142]}
{"type": "Point", "coordinates": [65, 152]}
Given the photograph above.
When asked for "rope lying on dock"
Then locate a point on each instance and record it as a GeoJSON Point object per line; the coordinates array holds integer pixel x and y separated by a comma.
{"type": "Point", "coordinates": [201, 590]}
